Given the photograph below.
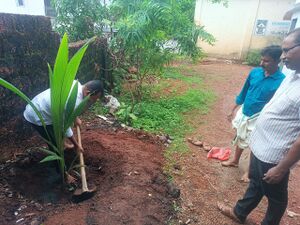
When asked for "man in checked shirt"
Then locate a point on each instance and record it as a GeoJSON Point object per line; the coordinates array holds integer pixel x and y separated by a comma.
{"type": "Point", "coordinates": [274, 144]}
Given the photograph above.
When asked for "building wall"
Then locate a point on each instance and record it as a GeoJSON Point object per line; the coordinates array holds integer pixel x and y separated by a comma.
{"type": "Point", "coordinates": [270, 10]}
{"type": "Point", "coordinates": [296, 15]}
{"type": "Point", "coordinates": [233, 26]}
{"type": "Point", "coordinates": [30, 7]}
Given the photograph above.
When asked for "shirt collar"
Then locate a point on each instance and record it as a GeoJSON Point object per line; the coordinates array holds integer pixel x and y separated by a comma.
{"type": "Point", "coordinates": [276, 75]}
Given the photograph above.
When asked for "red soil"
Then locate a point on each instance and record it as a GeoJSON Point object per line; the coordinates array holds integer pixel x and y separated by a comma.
{"type": "Point", "coordinates": [125, 166]}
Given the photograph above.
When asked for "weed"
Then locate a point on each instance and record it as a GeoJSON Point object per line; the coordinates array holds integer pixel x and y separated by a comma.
{"type": "Point", "coordinates": [253, 57]}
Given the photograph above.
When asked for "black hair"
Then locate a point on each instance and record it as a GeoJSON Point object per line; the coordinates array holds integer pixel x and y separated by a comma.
{"type": "Point", "coordinates": [95, 87]}
{"type": "Point", "coordinates": [296, 33]}
{"type": "Point", "coordinates": [273, 51]}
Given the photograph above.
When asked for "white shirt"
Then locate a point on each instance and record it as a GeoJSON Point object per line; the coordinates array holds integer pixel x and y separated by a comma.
{"type": "Point", "coordinates": [278, 125]}
{"type": "Point", "coordinates": [43, 103]}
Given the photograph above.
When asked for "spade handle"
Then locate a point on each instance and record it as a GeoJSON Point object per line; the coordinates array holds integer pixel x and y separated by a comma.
{"type": "Point", "coordinates": [81, 161]}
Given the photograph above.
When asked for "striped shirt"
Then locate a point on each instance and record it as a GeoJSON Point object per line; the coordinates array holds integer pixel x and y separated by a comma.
{"type": "Point", "coordinates": [278, 125]}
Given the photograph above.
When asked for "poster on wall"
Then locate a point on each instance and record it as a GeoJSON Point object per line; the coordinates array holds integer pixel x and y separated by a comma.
{"type": "Point", "coordinates": [278, 28]}
{"type": "Point", "coordinates": [271, 28]}
{"type": "Point", "coordinates": [261, 27]}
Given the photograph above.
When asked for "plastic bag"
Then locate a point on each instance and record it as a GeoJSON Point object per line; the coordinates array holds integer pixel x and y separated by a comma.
{"type": "Point", "coordinates": [222, 154]}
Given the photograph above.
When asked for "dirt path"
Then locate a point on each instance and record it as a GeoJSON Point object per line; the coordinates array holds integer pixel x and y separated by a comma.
{"type": "Point", "coordinates": [204, 182]}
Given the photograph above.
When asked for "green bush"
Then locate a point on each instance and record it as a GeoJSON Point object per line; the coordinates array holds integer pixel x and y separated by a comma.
{"type": "Point", "coordinates": [253, 57]}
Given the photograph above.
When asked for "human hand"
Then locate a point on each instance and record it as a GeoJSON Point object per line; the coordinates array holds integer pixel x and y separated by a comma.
{"type": "Point", "coordinates": [79, 149]}
{"type": "Point", "coordinates": [78, 122]}
{"type": "Point", "coordinates": [274, 175]}
{"type": "Point", "coordinates": [230, 117]}
{"type": "Point", "coordinates": [70, 179]}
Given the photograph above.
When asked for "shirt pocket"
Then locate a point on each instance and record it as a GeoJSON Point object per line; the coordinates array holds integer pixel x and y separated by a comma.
{"type": "Point", "coordinates": [265, 95]}
{"type": "Point", "coordinates": [284, 106]}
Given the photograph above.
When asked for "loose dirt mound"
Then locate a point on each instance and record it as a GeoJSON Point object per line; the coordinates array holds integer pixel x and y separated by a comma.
{"type": "Point", "coordinates": [125, 166]}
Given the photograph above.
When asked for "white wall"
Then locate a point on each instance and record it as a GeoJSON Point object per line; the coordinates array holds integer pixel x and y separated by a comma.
{"type": "Point", "coordinates": [270, 10]}
{"type": "Point", "coordinates": [233, 26]}
{"type": "Point", "coordinates": [228, 25]}
{"type": "Point", "coordinates": [295, 15]}
{"type": "Point", "coordinates": [31, 7]}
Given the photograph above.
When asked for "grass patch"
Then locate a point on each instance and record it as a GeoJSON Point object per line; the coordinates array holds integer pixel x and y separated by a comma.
{"type": "Point", "coordinates": [166, 114]}
{"type": "Point", "coordinates": [171, 114]}
{"type": "Point", "coordinates": [175, 73]}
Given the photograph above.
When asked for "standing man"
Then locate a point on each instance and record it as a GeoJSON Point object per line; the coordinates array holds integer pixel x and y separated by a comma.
{"type": "Point", "coordinates": [275, 144]}
{"type": "Point", "coordinates": [259, 88]}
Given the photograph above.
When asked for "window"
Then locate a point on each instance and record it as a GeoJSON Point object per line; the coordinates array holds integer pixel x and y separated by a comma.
{"type": "Point", "coordinates": [49, 10]}
{"type": "Point", "coordinates": [20, 2]}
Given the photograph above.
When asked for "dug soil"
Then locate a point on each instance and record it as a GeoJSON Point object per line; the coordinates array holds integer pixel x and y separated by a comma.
{"type": "Point", "coordinates": [125, 166]}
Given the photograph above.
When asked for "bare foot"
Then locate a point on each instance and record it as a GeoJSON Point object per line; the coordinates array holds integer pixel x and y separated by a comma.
{"type": "Point", "coordinates": [230, 164]}
{"type": "Point", "coordinates": [228, 211]}
{"type": "Point", "coordinates": [245, 178]}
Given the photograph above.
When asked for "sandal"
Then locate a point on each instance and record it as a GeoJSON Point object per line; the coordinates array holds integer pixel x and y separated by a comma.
{"type": "Point", "coordinates": [228, 211]}
{"type": "Point", "coordinates": [195, 142]}
{"type": "Point", "coordinates": [206, 147]}
{"type": "Point", "coordinates": [229, 164]}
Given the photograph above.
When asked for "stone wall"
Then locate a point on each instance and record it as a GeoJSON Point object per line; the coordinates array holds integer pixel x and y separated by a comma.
{"type": "Point", "coordinates": [27, 44]}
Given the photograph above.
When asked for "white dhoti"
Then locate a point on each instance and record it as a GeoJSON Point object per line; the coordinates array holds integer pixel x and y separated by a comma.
{"type": "Point", "coordinates": [244, 126]}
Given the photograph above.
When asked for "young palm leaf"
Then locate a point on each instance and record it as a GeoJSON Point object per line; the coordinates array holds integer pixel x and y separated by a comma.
{"type": "Point", "coordinates": [64, 95]}
{"type": "Point", "coordinates": [18, 92]}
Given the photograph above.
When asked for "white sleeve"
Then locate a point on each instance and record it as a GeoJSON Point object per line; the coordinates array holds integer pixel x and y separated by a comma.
{"type": "Point", "coordinates": [69, 132]}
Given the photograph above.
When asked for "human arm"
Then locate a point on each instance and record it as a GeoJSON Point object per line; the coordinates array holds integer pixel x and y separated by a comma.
{"type": "Point", "coordinates": [239, 100]}
{"type": "Point", "coordinates": [231, 115]}
{"type": "Point", "coordinates": [77, 146]}
{"type": "Point", "coordinates": [78, 122]}
{"type": "Point", "coordinates": [71, 137]}
{"type": "Point", "coordinates": [275, 174]}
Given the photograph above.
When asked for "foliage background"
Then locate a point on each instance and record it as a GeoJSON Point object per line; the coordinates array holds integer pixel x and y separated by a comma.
{"type": "Point", "coordinates": [253, 57]}
{"type": "Point", "coordinates": [143, 34]}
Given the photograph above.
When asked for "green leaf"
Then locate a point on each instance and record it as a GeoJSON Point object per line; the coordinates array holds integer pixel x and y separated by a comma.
{"type": "Point", "coordinates": [47, 151]}
{"type": "Point", "coordinates": [57, 106]}
{"type": "Point", "coordinates": [71, 101]}
{"type": "Point", "coordinates": [120, 112]}
{"type": "Point", "coordinates": [79, 109]}
{"type": "Point", "coordinates": [71, 71]}
{"type": "Point", "coordinates": [132, 116]}
{"type": "Point", "coordinates": [50, 158]}
{"type": "Point", "coordinates": [15, 90]}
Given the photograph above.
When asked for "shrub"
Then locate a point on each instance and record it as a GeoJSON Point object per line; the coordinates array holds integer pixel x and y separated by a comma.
{"type": "Point", "coordinates": [253, 57]}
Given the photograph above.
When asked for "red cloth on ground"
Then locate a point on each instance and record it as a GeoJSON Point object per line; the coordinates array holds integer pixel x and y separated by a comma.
{"type": "Point", "coordinates": [219, 153]}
